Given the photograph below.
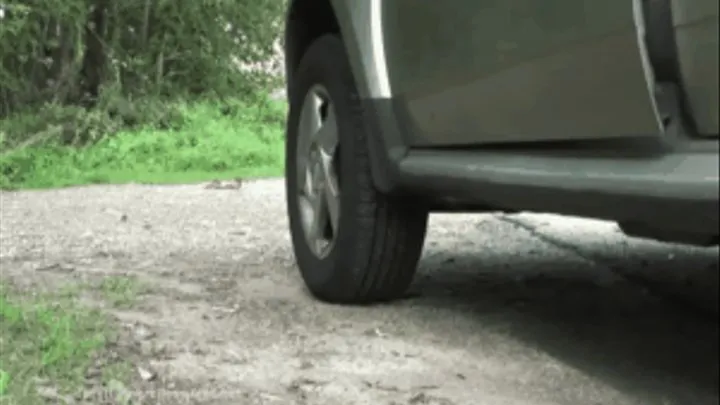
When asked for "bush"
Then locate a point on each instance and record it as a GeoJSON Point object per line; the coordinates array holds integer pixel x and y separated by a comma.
{"type": "Point", "coordinates": [74, 71]}
{"type": "Point", "coordinates": [194, 142]}
{"type": "Point", "coordinates": [71, 51]}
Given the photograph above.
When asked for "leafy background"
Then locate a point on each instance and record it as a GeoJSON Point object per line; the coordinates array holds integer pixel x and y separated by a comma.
{"type": "Point", "coordinates": [138, 90]}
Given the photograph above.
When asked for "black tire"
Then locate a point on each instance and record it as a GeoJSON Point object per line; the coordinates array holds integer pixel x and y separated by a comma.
{"type": "Point", "coordinates": [379, 238]}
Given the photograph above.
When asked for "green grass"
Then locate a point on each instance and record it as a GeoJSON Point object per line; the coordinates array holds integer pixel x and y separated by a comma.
{"type": "Point", "coordinates": [202, 144]}
{"type": "Point", "coordinates": [48, 338]}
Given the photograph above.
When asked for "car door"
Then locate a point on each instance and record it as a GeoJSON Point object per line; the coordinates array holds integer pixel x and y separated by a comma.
{"type": "Point", "coordinates": [696, 33]}
{"type": "Point", "coordinates": [486, 71]}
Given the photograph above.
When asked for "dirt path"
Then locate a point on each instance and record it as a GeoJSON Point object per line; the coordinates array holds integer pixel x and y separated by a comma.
{"type": "Point", "coordinates": [499, 316]}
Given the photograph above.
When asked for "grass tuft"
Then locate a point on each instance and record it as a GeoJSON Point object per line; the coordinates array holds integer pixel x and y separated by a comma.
{"type": "Point", "coordinates": [45, 339]}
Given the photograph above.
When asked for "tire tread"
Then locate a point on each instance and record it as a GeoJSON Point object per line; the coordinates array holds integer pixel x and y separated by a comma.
{"type": "Point", "coordinates": [391, 229]}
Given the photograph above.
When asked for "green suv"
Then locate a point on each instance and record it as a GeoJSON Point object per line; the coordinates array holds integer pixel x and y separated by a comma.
{"type": "Point", "coordinates": [398, 108]}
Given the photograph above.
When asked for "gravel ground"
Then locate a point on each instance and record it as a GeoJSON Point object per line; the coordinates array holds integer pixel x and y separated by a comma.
{"type": "Point", "coordinates": [506, 310]}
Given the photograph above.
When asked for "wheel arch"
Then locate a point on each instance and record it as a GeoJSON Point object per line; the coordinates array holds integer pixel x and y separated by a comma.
{"type": "Point", "coordinates": [307, 20]}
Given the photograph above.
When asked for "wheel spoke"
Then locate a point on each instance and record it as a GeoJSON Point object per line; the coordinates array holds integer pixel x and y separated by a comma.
{"type": "Point", "coordinates": [310, 120]}
{"type": "Point", "coordinates": [317, 181]}
{"type": "Point", "coordinates": [316, 228]}
{"type": "Point", "coordinates": [327, 135]}
{"type": "Point", "coordinates": [327, 138]}
{"type": "Point", "coordinates": [303, 175]}
{"type": "Point", "coordinates": [305, 181]}
{"type": "Point", "coordinates": [332, 202]}
{"type": "Point", "coordinates": [331, 190]}
{"type": "Point", "coordinates": [310, 123]}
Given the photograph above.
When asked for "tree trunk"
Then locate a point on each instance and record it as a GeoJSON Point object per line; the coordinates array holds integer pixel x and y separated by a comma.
{"type": "Point", "coordinates": [94, 59]}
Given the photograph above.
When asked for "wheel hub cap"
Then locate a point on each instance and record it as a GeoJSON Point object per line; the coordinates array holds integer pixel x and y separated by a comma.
{"type": "Point", "coordinates": [318, 183]}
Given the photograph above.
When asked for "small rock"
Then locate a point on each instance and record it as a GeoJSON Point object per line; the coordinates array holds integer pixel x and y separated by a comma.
{"type": "Point", "coordinates": [234, 358]}
{"type": "Point", "coordinates": [375, 332]}
{"type": "Point", "coordinates": [145, 374]}
{"type": "Point", "coordinates": [142, 332]}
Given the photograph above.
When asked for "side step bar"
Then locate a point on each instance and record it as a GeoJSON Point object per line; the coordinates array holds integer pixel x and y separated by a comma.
{"type": "Point", "coordinates": [680, 189]}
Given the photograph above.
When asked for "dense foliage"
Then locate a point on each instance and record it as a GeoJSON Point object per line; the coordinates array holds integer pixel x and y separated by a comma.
{"type": "Point", "coordinates": [77, 70]}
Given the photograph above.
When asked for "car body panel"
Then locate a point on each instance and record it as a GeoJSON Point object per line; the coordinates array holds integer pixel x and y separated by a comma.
{"type": "Point", "coordinates": [696, 35]}
{"type": "Point", "coordinates": [438, 97]}
{"type": "Point", "coordinates": [488, 71]}
{"type": "Point", "coordinates": [361, 26]}
{"type": "Point", "coordinates": [670, 196]}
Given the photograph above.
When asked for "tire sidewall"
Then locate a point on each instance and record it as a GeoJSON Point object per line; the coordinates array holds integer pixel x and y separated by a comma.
{"type": "Point", "coordinates": [325, 64]}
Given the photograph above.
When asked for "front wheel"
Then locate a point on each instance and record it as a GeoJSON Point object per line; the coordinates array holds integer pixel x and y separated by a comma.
{"type": "Point", "coordinates": [353, 244]}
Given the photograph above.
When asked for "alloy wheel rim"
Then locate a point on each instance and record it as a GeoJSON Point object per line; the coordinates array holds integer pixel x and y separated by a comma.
{"type": "Point", "coordinates": [317, 162]}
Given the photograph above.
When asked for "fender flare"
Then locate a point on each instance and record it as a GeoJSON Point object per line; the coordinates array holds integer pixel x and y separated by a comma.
{"type": "Point", "coordinates": [384, 140]}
